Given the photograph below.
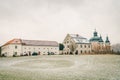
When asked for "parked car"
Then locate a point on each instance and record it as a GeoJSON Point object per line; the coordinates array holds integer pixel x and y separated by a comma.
{"type": "Point", "coordinates": [50, 53]}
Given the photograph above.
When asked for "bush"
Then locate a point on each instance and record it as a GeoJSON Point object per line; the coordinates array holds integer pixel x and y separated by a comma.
{"type": "Point", "coordinates": [14, 55]}
{"type": "Point", "coordinates": [0, 51]}
{"type": "Point", "coordinates": [34, 54]}
{"type": "Point", "coordinates": [3, 55]}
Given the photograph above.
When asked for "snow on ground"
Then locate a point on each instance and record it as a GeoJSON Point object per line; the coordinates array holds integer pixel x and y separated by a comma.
{"type": "Point", "coordinates": [61, 67]}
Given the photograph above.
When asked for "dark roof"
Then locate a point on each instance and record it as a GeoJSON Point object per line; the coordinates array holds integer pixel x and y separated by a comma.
{"type": "Point", "coordinates": [107, 40]}
{"type": "Point", "coordinates": [39, 43]}
{"type": "Point", "coordinates": [96, 38]}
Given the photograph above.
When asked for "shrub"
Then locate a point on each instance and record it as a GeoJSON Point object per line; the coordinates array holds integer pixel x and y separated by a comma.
{"type": "Point", "coordinates": [34, 54]}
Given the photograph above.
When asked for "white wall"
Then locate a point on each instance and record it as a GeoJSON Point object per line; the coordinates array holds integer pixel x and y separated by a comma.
{"type": "Point", "coordinates": [10, 49]}
{"type": "Point", "coordinates": [83, 48]}
{"type": "Point", "coordinates": [42, 49]}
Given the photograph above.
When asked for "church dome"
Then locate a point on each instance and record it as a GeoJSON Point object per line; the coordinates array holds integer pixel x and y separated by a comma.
{"type": "Point", "coordinates": [100, 40]}
{"type": "Point", "coordinates": [95, 37]}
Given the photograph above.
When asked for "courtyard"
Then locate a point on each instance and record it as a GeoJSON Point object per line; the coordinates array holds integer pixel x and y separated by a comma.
{"type": "Point", "coordinates": [61, 67]}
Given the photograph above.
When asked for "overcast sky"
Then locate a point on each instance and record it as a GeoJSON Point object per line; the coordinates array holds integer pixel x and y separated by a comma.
{"type": "Point", "coordinates": [53, 19]}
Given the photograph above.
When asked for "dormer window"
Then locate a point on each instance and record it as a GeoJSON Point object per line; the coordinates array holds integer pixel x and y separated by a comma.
{"type": "Point", "coordinates": [77, 35]}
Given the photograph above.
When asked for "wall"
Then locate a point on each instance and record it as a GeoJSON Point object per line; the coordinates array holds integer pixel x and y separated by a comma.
{"type": "Point", "coordinates": [43, 50]}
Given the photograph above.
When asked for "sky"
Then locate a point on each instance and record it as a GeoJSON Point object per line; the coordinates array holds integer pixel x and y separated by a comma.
{"type": "Point", "coordinates": [54, 19]}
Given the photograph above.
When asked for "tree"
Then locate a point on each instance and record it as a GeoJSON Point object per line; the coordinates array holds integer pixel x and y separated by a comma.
{"type": "Point", "coordinates": [0, 51]}
{"type": "Point", "coordinates": [72, 48]}
{"type": "Point", "coordinates": [61, 46]}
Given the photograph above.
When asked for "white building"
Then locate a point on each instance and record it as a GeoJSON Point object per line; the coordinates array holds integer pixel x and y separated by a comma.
{"type": "Point", "coordinates": [21, 47]}
{"type": "Point", "coordinates": [76, 44]}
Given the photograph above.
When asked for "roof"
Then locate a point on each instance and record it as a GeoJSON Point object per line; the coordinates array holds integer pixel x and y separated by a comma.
{"type": "Point", "coordinates": [79, 39]}
{"type": "Point", "coordinates": [107, 40]}
{"type": "Point", "coordinates": [32, 42]}
{"type": "Point", "coordinates": [13, 41]}
{"type": "Point", "coordinates": [39, 43]}
{"type": "Point", "coordinates": [76, 36]}
{"type": "Point", "coordinates": [96, 38]}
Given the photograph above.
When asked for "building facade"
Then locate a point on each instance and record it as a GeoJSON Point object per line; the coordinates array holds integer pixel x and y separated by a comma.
{"type": "Point", "coordinates": [76, 45]}
{"type": "Point", "coordinates": [28, 47]}
{"type": "Point", "coordinates": [98, 45]}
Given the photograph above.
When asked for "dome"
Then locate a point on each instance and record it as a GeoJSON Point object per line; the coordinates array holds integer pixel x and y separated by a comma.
{"type": "Point", "coordinates": [96, 38]}
{"type": "Point", "coordinates": [100, 40]}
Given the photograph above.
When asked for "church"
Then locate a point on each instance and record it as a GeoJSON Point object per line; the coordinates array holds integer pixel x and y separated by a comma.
{"type": "Point", "coordinates": [98, 45]}
{"type": "Point", "coordinates": [76, 44]}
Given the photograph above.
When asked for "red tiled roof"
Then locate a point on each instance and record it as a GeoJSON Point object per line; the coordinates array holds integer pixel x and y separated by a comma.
{"type": "Point", "coordinates": [13, 41]}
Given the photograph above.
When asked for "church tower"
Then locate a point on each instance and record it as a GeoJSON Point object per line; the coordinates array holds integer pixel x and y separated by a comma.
{"type": "Point", "coordinates": [101, 44]}
{"type": "Point", "coordinates": [96, 42]}
{"type": "Point", "coordinates": [107, 45]}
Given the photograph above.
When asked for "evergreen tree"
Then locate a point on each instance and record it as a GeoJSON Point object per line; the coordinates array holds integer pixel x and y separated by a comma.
{"type": "Point", "coordinates": [61, 46]}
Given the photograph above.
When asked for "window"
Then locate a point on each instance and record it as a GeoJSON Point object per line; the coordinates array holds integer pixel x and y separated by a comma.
{"type": "Point", "coordinates": [81, 51]}
{"type": "Point", "coordinates": [81, 46]}
{"type": "Point", "coordinates": [85, 46]}
{"type": "Point", "coordinates": [67, 41]}
{"type": "Point", "coordinates": [85, 51]}
{"type": "Point", "coordinates": [15, 47]}
{"type": "Point", "coordinates": [89, 46]}
{"type": "Point", "coordinates": [89, 51]}
{"type": "Point", "coordinates": [68, 46]}
{"type": "Point", "coordinates": [15, 53]}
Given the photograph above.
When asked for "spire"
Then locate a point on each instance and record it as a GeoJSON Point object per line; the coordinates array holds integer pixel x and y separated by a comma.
{"type": "Point", "coordinates": [95, 33]}
{"type": "Point", "coordinates": [107, 40]}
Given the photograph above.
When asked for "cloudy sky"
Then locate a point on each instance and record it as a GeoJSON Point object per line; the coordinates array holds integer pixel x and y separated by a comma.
{"type": "Point", "coordinates": [53, 19]}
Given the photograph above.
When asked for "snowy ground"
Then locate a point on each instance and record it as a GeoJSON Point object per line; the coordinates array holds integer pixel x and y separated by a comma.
{"type": "Point", "coordinates": [61, 67]}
